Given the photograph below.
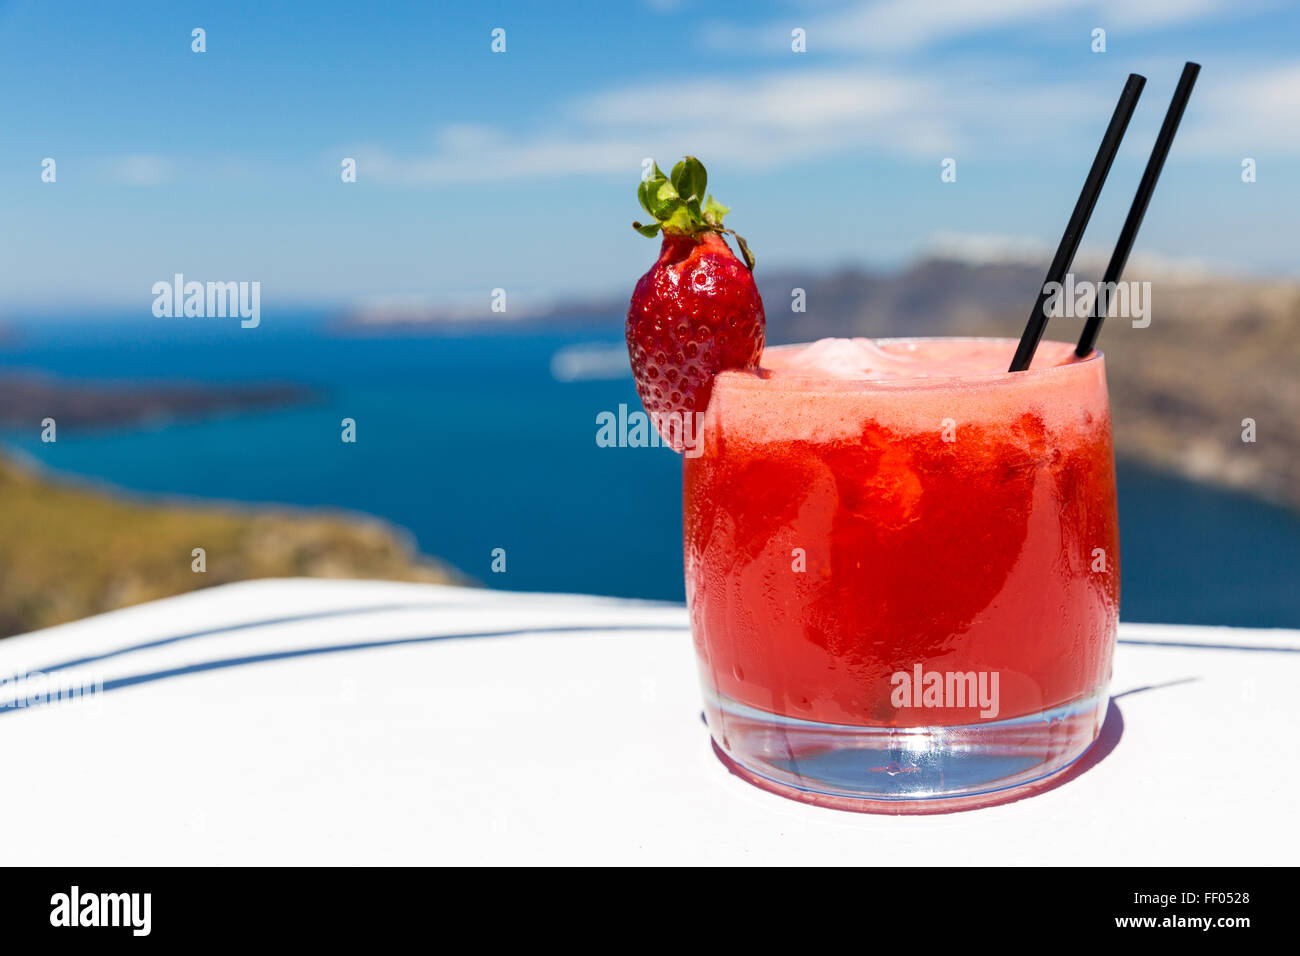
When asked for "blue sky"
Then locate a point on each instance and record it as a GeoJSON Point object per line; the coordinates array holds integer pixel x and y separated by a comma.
{"type": "Point", "coordinates": [518, 170]}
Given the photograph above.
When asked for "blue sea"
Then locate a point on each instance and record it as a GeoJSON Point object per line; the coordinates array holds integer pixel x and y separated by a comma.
{"type": "Point", "coordinates": [472, 444]}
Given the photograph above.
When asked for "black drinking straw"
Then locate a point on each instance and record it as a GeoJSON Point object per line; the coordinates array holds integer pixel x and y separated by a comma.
{"type": "Point", "coordinates": [1118, 259]}
{"type": "Point", "coordinates": [1079, 219]}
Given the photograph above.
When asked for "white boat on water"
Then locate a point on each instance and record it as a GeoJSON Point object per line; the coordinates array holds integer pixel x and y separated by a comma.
{"type": "Point", "coordinates": [590, 361]}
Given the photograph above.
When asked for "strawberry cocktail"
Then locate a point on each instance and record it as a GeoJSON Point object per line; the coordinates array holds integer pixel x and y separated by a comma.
{"type": "Point", "coordinates": [901, 559]}
{"type": "Point", "coordinates": [902, 567]}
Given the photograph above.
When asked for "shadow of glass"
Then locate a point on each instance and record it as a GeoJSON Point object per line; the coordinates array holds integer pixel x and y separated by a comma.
{"type": "Point", "coordinates": [264, 622]}
{"type": "Point", "coordinates": [118, 683]}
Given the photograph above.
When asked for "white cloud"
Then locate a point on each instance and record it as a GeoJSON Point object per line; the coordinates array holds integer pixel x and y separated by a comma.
{"type": "Point", "coordinates": [965, 108]}
{"type": "Point", "coordinates": [756, 122]}
{"type": "Point", "coordinates": [893, 26]}
{"type": "Point", "coordinates": [1242, 111]}
{"type": "Point", "coordinates": [457, 160]}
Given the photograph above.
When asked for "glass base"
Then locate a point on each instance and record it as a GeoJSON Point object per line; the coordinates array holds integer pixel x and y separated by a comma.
{"type": "Point", "coordinates": [901, 770]}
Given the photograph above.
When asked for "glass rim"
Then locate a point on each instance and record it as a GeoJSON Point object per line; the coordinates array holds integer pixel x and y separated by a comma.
{"type": "Point", "coordinates": [793, 382]}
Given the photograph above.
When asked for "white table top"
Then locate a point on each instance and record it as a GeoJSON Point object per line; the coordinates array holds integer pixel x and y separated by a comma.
{"type": "Point", "coordinates": [354, 735]}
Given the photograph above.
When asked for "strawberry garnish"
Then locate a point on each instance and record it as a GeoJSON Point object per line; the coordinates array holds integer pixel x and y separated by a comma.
{"type": "Point", "coordinates": [697, 311]}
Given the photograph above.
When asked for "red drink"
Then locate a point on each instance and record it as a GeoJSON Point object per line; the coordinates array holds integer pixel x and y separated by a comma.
{"type": "Point", "coordinates": [902, 569]}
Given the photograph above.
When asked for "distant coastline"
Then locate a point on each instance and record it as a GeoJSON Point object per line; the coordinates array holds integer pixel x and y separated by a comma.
{"type": "Point", "coordinates": [27, 399]}
{"type": "Point", "coordinates": [418, 317]}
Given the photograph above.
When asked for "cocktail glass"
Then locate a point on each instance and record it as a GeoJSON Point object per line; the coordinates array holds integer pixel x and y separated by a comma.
{"type": "Point", "coordinates": [902, 568]}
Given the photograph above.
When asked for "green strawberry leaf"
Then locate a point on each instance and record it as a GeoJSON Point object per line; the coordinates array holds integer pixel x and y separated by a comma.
{"type": "Point", "coordinates": [649, 231]}
{"type": "Point", "coordinates": [663, 199]}
{"type": "Point", "coordinates": [714, 211]}
{"type": "Point", "coordinates": [745, 253]}
{"type": "Point", "coordinates": [643, 195]}
{"type": "Point", "coordinates": [680, 221]}
{"type": "Point", "coordinates": [689, 177]}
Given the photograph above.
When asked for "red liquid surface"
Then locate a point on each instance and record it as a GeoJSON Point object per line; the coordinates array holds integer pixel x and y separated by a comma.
{"type": "Point", "coordinates": [842, 526]}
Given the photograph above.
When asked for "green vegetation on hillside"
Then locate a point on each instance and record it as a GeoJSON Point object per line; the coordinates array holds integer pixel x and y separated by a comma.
{"type": "Point", "coordinates": [67, 551]}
